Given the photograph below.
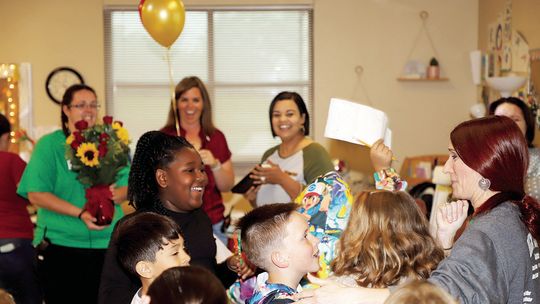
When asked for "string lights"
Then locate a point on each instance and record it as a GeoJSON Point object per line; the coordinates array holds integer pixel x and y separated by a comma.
{"type": "Point", "coordinates": [9, 97]}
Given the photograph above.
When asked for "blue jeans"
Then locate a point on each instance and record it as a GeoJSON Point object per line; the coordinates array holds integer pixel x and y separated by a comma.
{"type": "Point", "coordinates": [18, 272]}
{"type": "Point", "coordinates": [217, 232]}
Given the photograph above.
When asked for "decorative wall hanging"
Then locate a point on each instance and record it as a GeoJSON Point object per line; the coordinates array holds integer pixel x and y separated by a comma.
{"type": "Point", "coordinates": [416, 70]}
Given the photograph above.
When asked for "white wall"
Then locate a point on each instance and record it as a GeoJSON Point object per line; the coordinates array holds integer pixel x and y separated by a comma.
{"type": "Point", "coordinates": [379, 35]}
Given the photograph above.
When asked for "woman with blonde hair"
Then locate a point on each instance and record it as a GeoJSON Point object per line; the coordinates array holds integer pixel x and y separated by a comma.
{"type": "Point", "coordinates": [386, 242]}
{"type": "Point", "coordinates": [194, 115]}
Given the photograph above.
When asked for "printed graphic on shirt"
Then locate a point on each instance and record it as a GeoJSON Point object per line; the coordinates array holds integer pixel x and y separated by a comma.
{"type": "Point", "coordinates": [268, 293]}
{"type": "Point", "coordinates": [327, 203]}
{"type": "Point", "coordinates": [534, 254]}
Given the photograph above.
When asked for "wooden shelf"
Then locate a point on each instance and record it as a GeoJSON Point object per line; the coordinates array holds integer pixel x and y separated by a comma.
{"type": "Point", "coordinates": [421, 79]}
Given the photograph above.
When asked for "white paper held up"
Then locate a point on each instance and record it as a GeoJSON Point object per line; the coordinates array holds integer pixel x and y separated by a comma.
{"type": "Point", "coordinates": [356, 123]}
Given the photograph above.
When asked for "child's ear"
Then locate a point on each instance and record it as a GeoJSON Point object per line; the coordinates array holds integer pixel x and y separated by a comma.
{"type": "Point", "coordinates": [278, 259]}
{"type": "Point", "coordinates": [144, 269]}
{"type": "Point", "coordinates": [161, 178]}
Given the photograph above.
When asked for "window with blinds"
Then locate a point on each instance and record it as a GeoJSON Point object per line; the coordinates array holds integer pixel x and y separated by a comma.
{"type": "Point", "coordinates": [244, 56]}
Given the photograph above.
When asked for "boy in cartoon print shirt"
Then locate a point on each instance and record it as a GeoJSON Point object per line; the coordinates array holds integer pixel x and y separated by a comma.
{"type": "Point", "coordinates": [327, 203]}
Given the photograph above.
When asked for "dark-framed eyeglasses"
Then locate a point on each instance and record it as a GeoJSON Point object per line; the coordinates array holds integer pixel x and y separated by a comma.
{"type": "Point", "coordinates": [81, 106]}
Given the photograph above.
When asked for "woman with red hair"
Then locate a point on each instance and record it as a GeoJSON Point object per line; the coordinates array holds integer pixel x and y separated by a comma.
{"type": "Point", "coordinates": [496, 259]}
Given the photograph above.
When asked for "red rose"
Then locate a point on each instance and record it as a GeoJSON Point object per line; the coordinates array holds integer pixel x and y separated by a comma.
{"type": "Point", "coordinates": [78, 137]}
{"type": "Point", "coordinates": [103, 137]}
{"type": "Point", "coordinates": [107, 120]}
{"type": "Point", "coordinates": [102, 149]}
{"type": "Point", "coordinates": [81, 125]}
{"type": "Point", "coordinates": [75, 144]}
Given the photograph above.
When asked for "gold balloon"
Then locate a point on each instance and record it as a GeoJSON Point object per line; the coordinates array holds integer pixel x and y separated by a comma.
{"type": "Point", "coordinates": [163, 19]}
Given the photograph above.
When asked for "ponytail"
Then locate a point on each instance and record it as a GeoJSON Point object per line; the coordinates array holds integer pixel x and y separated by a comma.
{"type": "Point", "coordinates": [530, 215]}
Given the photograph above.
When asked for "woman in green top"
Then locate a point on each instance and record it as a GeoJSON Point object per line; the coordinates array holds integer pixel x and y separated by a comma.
{"type": "Point", "coordinates": [297, 161]}
{"type": "Point", "coordinates": [72, 261]}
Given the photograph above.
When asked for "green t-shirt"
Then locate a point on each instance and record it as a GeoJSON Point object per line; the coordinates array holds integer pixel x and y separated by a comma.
{"type": "Point", "coordinates": [48, 171]}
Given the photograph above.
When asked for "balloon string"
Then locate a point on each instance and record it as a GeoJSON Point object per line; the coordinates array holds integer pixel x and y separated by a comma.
{"type": "Point", "coordinates": [171, 85]}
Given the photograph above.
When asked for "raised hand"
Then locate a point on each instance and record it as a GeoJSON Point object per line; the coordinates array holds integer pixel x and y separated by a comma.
{"type": "Point", "coordinates": [380, 155]}
{"type": "Point", "coordinates": [450, 217]}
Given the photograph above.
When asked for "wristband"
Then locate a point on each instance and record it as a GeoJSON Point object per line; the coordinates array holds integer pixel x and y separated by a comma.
{"type": "Point", "coordinates": [80, 214]}
{"type": "Point", "coordinates": [217, 166]}
{"type": "Point", "coordinates": [388, 179]}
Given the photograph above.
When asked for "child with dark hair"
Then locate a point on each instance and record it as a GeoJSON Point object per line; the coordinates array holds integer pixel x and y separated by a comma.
{"type": "Point", "coordinates": [276, 238]}
{"type": "Point", "coordinates": [168, 177]}
{"type": "Point", "coordinates": [187, 285]}
{"type": "Point", "coordinates": [17, 262]}
{"type": "Point", "coordinates": [148, 244]}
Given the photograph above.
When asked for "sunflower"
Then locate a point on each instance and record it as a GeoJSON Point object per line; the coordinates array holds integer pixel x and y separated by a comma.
{"type": "Point", "coordinates": [121, 132]}
{"type": "Point", "coordinates": [88, 154]}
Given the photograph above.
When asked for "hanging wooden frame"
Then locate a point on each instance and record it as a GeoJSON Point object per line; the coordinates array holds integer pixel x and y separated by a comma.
{"type": "Point", "coordinates": [423, 28]}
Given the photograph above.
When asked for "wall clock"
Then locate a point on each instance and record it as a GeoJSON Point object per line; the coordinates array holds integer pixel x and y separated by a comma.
{"type": "Point", "coordinates": [59, 80]}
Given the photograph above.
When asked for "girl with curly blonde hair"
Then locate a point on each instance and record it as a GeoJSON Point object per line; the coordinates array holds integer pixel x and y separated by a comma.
{"type": "Point", "coordinates": [386, 242]}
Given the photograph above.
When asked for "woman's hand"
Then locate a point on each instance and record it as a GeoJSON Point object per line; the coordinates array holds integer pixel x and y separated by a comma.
{"type": "Point", "coordinates": [333, 292]}
{"type": "Point", "coordinates": [380, 155]}
{"type": "Point", "coordinates": [329, 292]}
{"type": "Point", "coordinates": [208, 158]}
{"type": "Point", "coordinates": [89, 221]}
{"type": "Point", "coordinates": [238, 265]}
{"type": "Point", "coordinates": [268, 173]}
{"type": "Point", "coordinates": [450, 217]}
{"type": "Point", "coordinates": [223, 172]}
{"type": "Point", "coordinates": [251, 195]}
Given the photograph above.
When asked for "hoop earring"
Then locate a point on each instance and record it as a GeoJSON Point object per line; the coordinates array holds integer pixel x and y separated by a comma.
{"type": "Point", "coordinates": [484, 183]}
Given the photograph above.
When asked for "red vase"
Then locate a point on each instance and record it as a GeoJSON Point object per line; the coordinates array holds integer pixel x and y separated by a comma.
{"type": "Point", "coordinates": [99, 204]}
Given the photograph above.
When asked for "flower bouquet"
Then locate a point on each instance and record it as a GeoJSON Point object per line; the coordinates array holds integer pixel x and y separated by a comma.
{"type": "Point", "coordinates": [97, 154]}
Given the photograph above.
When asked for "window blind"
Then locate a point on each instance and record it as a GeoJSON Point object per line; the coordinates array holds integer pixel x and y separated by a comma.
{"type": "Point", "coordinates": [244, 56]}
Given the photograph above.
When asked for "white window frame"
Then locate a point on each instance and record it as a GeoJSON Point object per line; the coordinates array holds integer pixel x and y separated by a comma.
{"type": "Point", "coordinates": [211, 84]}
